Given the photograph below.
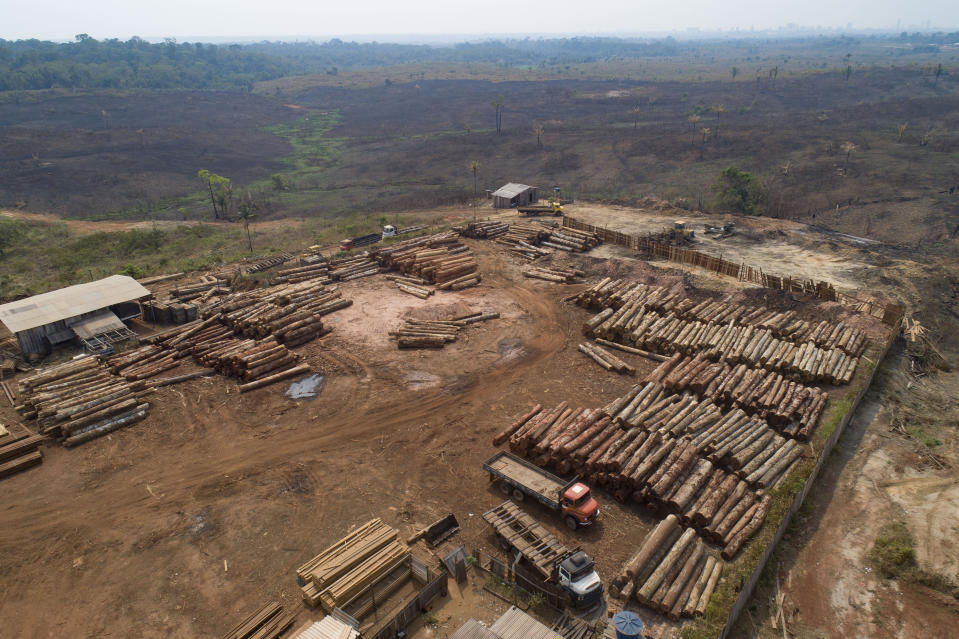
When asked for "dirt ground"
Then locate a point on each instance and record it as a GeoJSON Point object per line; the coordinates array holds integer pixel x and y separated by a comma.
{"type": "Point", "coordinates": [193, 518]}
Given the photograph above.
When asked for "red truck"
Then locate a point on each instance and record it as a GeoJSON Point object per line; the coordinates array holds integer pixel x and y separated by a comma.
{"type": "Point", "coordinates": [520, 479]}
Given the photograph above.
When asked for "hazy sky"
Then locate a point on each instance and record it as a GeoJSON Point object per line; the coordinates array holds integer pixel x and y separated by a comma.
{"type": "Point", "coordinates": [190, 19]}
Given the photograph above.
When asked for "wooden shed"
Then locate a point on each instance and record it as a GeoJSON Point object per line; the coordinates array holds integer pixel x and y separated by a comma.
{"type": "Point", "coordinates": [512, 195]}
{"type": "Point", "coordinates": [82, 312]}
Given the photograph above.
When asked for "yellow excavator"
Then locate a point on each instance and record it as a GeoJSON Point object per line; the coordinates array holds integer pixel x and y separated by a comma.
{"type": "Point", "coordinates": [679, 233]}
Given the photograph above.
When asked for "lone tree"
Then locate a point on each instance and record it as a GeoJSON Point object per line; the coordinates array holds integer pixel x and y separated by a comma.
{"type": "Point", "coordinates": [247, 213]}
{"type": "Point", "coordinates": [474, 167]}
{"type": "Point", "coordinates": [221, 192]}
{"type": "Point", "coordinates": [498, 104]}
{"type": "Point", "coordinates": [538, 132]}
{"type": "Point", "coordinates": [739, 191]}
{"type": "Point", "coordinates": [848, 148]}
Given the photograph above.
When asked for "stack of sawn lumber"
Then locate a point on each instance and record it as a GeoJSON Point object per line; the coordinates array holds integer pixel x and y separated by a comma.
{"type": "Point", "coordinates": [437, 259]}
{"type": "Point", "coordinates": [18, 449]}
{"type": "Point", "coordinates": [269, 622]}
{"type": "Point", "coordinates": [790, 406]}
{"type": "Point", "coordinates": [553, 274]}
{"type": "Point", "coordinates": [81, 400]}
{"type": "Point", "coordinates": [158, 312]}
{"type": "Point", "coordinates": [351, 566]}
{"type": "Point", "coordinates": [416, 333]}
{"type": "Point", "coordinates": [482, 230]}
{"type": "Point", "coordinates": [269, 262]}
{"type": "Point", "coordinates": [649, 467]}
{"type": "Point", "coordinates": [672, 572]}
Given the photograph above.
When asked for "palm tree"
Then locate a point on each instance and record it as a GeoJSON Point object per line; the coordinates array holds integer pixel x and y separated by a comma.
{"type": "Point", "coordinates": [719, 109]}
{"type": "Point", "coordinates": [538, 132]}
{"type": "Point", "coordinates": [902, 131]}
{"type": "Point", "coordinates": [474, 166]}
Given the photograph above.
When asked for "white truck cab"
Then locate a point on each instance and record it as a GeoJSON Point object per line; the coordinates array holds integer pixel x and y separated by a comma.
{"type": "Point", "coordinates": [578, 577]}
{"type": "Point", "coordinates": [389, 231]}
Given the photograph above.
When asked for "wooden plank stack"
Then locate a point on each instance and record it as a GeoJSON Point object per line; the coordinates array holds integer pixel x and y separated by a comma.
{"type": "Point", "coordinates": [169, 312]}
{"type": "Point", "coordinates": [559, 275]}
{"type": "Point", "coordinates": [672, 572]}
{"type": "Point", "coordinates": [269, 622]}
{"type": "Point", "coordinates": [80, 400]}
{"type": "Point", "coordinates": [19, 449]}
{"type": "Point", "coordinates": [483, 230]}
{"type": "Point", "coordinates": [269, 262]}
{"type": "Point", "coordinates": [351, 565]}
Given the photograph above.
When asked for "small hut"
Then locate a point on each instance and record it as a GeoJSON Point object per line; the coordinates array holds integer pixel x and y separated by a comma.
{"type": "Point", "coordinates": [512, 195]}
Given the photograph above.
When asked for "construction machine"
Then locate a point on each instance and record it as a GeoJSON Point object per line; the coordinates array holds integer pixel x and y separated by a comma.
{"type": "Point", "coordinates": [679, 234]}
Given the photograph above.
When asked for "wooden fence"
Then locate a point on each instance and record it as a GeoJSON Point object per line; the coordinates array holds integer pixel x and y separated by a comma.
{"type": "Point", "coordinates": [654, 248]}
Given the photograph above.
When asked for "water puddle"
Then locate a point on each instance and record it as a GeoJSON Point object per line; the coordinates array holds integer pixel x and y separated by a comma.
{"type": "Point", "coordinates": [306, 388]}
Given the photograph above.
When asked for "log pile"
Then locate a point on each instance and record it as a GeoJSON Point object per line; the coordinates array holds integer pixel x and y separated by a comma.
{"type": "Point", "coordinates": [522, 233]}
{"type": "Point", "coordinates": [416, 333]}
{"type": "Point", "coordinates": [451, 266]}
{"type": "Point", "coordinates": [193, 290]}
{"type": "Point", "coordinates": [637, 323]}
{"type": "Point", "coordinates": [351, 565]}
{"type": "Point", "coordinates": [319, 271]}
{"type": "Point", "coordinates": [672, 572]}
{"type": "Point", "coordinates": [785, 326]}
{"type": "Point", "coordinates": [606, 359]}
{"type": "Point", "coordinates": [412, 286]}
{"type": "Point", "coordinates": [571, 240]}
{"type": "Point", "coordinates": [269, 622]}
{"type": "Point", "coordinates": [792, 407]}
{"type": "Point", "coordinates": [19, 450]}
{"type": "Point", "coordinates": [482, 230]}
{"type": "Point", "coordinates": [269, 262]}
{"type": "Point", "coordinates": [559, 275]}
{"type": "Point", "coordinates": [351, 268]}
{"type": "Point", "coordinates": [653, 464]}
{"type": "Point", "coordinates": [81, 400]}
{"type": "Point", "coordinates": [143, 362]}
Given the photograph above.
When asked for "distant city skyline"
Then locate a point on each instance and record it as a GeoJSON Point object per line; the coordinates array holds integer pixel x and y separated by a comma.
{"type": "Point", "coordinates": [432, 20]}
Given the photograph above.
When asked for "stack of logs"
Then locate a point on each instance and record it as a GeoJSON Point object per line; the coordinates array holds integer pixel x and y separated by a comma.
{"type": "Point", "coordinates": [610, 293]}
{"type": "Point", "coordinates": [415, 286]}
{"type": "Point", "coordinates": [522, 233]}
{"type": "Point", "coordinates": [650, 466]}
{"type": "Point", "coordinates": [571, 240]}
{"type": "Point", "coordinates": [269, 262]}
{"type": "Point", "coordinates": [482, 230]}
{"type": "Point", "coordinates": [81, 400]}
{"type": "Point", "coordinates": [351, 268]}
{"type": "Point", "coordinates": [650, 317]}
{"type": "Point", "coordinates": [793, 407]}
{"type": "Point", "coordinates": [559, 275]}
{"type": "Point", "coordinates": [437, 259]}
{"type": "Point", "coordinates": [205, 284]}
{"type": "Point", "coordinates": [319, 271]}
{"type": "Point", "coordinates": [606, 359]}
{"type": "Point", "coordinates": [269, 622]}
{"type": "Point", "coordinates": [672, 573]}
{"type": "Point", "coordinates": [416, 333]}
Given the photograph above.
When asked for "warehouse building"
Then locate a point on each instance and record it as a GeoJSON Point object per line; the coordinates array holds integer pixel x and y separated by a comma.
{"type": "Point", "coordinates": [512, 195]}
{"type": "Point", "coordinates": [91, 314]}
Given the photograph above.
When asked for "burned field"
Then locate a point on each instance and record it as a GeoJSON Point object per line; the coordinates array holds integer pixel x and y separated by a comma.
{"type": "Point", "coordinates": [222, 489]}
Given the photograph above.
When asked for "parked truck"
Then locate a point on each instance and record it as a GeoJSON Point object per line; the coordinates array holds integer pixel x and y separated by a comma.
{"type": "Point", "coordinates": [356, 242]}
{"type": "Point", "coordinates": [572, 570]}
{"type": "Point", "coordinates": [521, 479]}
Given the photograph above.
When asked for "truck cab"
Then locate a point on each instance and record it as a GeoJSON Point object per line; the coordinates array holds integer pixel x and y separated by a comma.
{"type": "Point", "coordinates": [579, 507]}
{"type": "Point", "coordinates": [389, 231]}
{"type": "Point", "coordinates": [346, 245]}
{"type": "Point", "coordinates": [577, 575]}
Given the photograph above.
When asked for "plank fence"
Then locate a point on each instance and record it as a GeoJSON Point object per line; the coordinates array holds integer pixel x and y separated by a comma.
{"type": "Point", "coordinates": [656, 248]}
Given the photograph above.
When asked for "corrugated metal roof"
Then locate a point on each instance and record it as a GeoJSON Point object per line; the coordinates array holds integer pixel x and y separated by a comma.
{"type": "Point", "coordinates": [328, 628]}
{"type": "Point", "coordinates": [511, 190]}
{"type": "Point", "coordinates": [473, 629]}
{"type": "Point", "coordinates": [516, 624]}
{"type": "Point", "coordinates": [68, 302]}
